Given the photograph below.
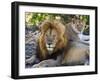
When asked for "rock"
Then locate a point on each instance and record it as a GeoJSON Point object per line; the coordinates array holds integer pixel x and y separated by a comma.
{"type": "Point", "coordinates": [31, 47]}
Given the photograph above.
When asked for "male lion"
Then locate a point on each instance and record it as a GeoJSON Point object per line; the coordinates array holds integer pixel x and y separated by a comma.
{"type": "Point", "coordinates": [52, 40]}
{"type": "Point", "coordinates": [60, 45]}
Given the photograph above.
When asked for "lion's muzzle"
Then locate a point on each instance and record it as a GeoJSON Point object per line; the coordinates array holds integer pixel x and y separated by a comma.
{"type": "Point", "coordinates": [50, 48]}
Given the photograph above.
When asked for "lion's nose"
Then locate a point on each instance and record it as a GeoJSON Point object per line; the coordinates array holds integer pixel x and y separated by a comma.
{"type": "Point", "coordinates": [49, 43]}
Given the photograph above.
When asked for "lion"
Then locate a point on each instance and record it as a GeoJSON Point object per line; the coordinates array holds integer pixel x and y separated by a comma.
{"type": "Point", "coordinates": [78, 51]}
{"type": "Point", "coordinates": [60, 45]}
{"type": "Point", "coordinates": [52, 39]}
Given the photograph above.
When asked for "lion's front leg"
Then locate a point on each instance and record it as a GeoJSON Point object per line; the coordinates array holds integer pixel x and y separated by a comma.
{"type": "Point", "coordinates": [45, 63]}
{"type": "Point", "coordinates": [49, 63]}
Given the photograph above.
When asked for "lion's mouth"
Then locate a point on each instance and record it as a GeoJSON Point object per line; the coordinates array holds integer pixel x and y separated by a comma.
{"type": "Point", "coordinates": [50, 48]}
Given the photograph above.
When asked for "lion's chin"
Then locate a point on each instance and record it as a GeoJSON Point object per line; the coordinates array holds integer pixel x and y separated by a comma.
{"type": "Point", "coordinates": [50, 50]}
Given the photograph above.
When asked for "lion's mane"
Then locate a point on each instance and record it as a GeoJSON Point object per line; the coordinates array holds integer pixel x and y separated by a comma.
{"type": "Point", "coordinates": [62, 39]}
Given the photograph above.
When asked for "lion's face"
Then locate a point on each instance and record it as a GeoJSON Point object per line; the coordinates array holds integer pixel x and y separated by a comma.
{"type": "Point", "coordinates": [51, 39]}
{"type": "Point", "coordinates": [78, 25]}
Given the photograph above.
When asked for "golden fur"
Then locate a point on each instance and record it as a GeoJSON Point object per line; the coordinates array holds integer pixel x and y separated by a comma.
{"type": "Point", "coordinates": [61, 40]}
{"type": "Point", "coordinates": [76, 54]}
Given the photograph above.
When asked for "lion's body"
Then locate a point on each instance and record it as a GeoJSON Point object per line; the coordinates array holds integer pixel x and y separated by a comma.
{"type": "Point", "coordinates": [77, 54]}
{"type": "Point", "coordinates": [65, 44]}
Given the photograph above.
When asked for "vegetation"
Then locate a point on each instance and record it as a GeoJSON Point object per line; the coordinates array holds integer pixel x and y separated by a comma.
{"type": "Point", "coordinates": [34, 19]}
